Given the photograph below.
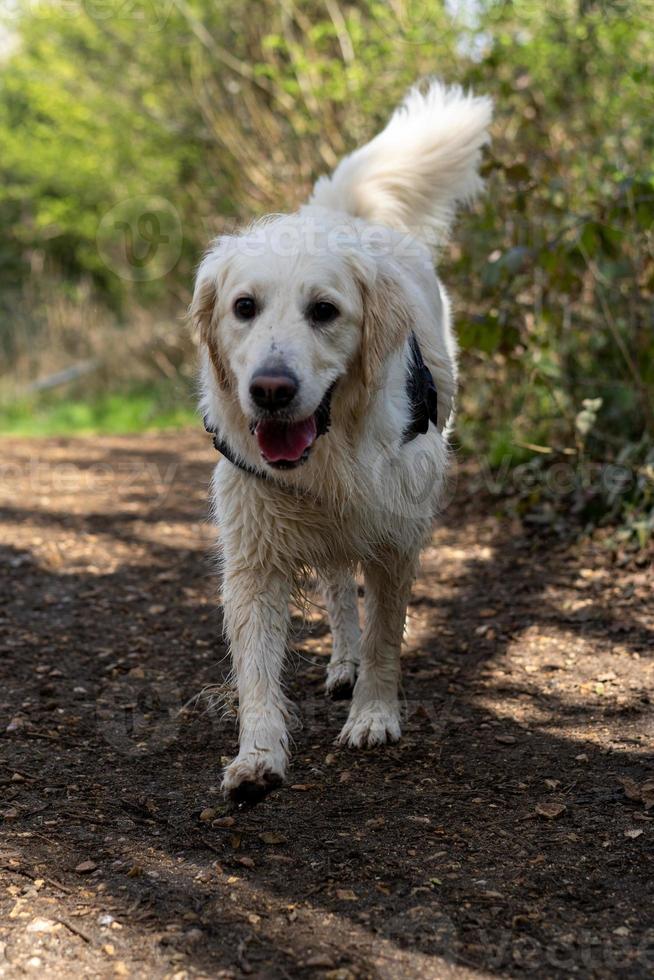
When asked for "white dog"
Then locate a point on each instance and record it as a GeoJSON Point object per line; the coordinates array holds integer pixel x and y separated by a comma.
{"type": "Point", "coordinates": [328, 378]}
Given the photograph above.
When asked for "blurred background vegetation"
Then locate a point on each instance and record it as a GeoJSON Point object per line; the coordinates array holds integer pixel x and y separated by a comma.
{"type": "Point", "coordinates": [132, 132]}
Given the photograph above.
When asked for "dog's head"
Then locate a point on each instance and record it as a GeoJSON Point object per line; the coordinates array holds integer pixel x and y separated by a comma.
{"type": "Point", "coordinates": [288, 315]}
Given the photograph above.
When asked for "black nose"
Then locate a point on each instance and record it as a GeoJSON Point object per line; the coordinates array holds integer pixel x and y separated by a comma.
{"type": "Point", "coordinates": [273, 389]}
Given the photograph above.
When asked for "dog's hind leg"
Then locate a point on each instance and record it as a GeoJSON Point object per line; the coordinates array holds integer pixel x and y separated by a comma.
{"type": "Point", "coordinates": [340, 592]}
{"type": "Point", "coordinates": [375, 712]}
{"type": "Point", "coordinates": [256, 620]}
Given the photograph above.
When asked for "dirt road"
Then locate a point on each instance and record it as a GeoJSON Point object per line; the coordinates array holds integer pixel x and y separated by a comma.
{"type": "Point", "coordinates": [508, 834]}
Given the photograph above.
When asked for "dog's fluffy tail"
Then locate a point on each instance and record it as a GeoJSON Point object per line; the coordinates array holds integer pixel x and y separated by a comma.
{"type": "Point", "coordinates": [415, 172]}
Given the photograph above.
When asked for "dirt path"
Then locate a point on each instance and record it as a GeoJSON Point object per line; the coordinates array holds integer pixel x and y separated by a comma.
{"type": "Point", "coordinates": [496, 840]}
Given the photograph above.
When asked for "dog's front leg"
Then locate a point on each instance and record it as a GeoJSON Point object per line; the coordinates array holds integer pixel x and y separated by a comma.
{"type": "Point", "coordinates": [340, 591]}
{"type": "Point", "coordinates": [374, 716]}
{"type": "Point", "coordinates": [256, 618]}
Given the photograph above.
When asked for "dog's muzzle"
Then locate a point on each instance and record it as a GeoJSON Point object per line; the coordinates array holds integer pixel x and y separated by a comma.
{"type": "Point", "coordinates": [285, 443]}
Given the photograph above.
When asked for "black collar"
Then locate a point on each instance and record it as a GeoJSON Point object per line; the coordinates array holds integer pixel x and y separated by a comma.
{"type": "Point", "coordinates": [225, 450]}
{"type": "Point", "coordinates": [421, 392]}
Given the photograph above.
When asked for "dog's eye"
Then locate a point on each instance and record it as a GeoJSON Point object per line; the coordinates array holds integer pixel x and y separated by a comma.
{"type": "Point", "coordinates": [245, 308]}
{"type": "Point", "coordinates": [323, 312]}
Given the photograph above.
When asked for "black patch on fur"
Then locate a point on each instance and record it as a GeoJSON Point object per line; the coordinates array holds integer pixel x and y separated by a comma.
{"type": "Point", "coordinates": [422, 394]}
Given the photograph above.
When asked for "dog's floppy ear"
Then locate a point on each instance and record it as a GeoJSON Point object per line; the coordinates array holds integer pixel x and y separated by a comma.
{"type": "Point", "coordinates": [201, 313]}
{"type": "Point", "coordinates": [389, 319]}
{"type": "Point", "coordinates": [202, 306]}
{"type": "Point", "coordinates": [387, 323]}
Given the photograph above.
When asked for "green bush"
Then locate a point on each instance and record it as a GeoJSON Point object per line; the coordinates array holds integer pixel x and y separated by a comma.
{"type": "Point", "coordinates": [227, 110]}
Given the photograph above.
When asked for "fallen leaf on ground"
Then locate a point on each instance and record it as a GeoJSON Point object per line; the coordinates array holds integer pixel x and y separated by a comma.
{"type": "Point", "coordinates": [272, 837]}
{"type": "Point", "coordinates": [319, 962]}
{"type": "Point", "coordinates": [641, 793]}
{"type": "Point", "coordinates": [85, 867]}
{"type": "Point", "coordinates": [224, 822]}
{"type": "Point", "coordinates": [550, 810]}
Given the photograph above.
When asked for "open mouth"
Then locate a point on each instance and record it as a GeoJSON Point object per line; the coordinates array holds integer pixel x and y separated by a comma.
{"type": "Point", "coordinates": [285, 444]}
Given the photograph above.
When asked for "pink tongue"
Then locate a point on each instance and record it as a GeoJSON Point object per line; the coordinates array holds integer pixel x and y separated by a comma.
{"type": "Point", "coordinates": [285, 440]}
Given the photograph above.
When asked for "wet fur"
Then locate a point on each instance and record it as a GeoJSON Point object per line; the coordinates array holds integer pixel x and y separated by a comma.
{"type": "Point", "coordinates": [360, 500]}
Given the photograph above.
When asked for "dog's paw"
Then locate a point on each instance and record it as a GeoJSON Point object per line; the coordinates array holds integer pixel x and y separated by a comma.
{"type": "Point", "coordinates": [252, 776]}
{"type": "Point", "coordinates": [340, 680]}
{"type": "Point", "coordinates": [372, 724]}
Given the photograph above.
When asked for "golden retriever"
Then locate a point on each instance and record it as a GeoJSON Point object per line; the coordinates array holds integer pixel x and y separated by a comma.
{"type": "Point", "coordinates": [328, 377]}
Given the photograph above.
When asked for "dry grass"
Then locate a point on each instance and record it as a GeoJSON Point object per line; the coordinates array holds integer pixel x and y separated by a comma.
{"type": "Point", "coordinates": [56, 327]}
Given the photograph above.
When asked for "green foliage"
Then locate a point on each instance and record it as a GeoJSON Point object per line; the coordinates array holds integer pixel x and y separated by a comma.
{"type": "Point", "coordinates": [558, 261]}
{"type": "Point", "coordinates": [225, 110]}
{"type": "Point", "coordinates": [136, 409]}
